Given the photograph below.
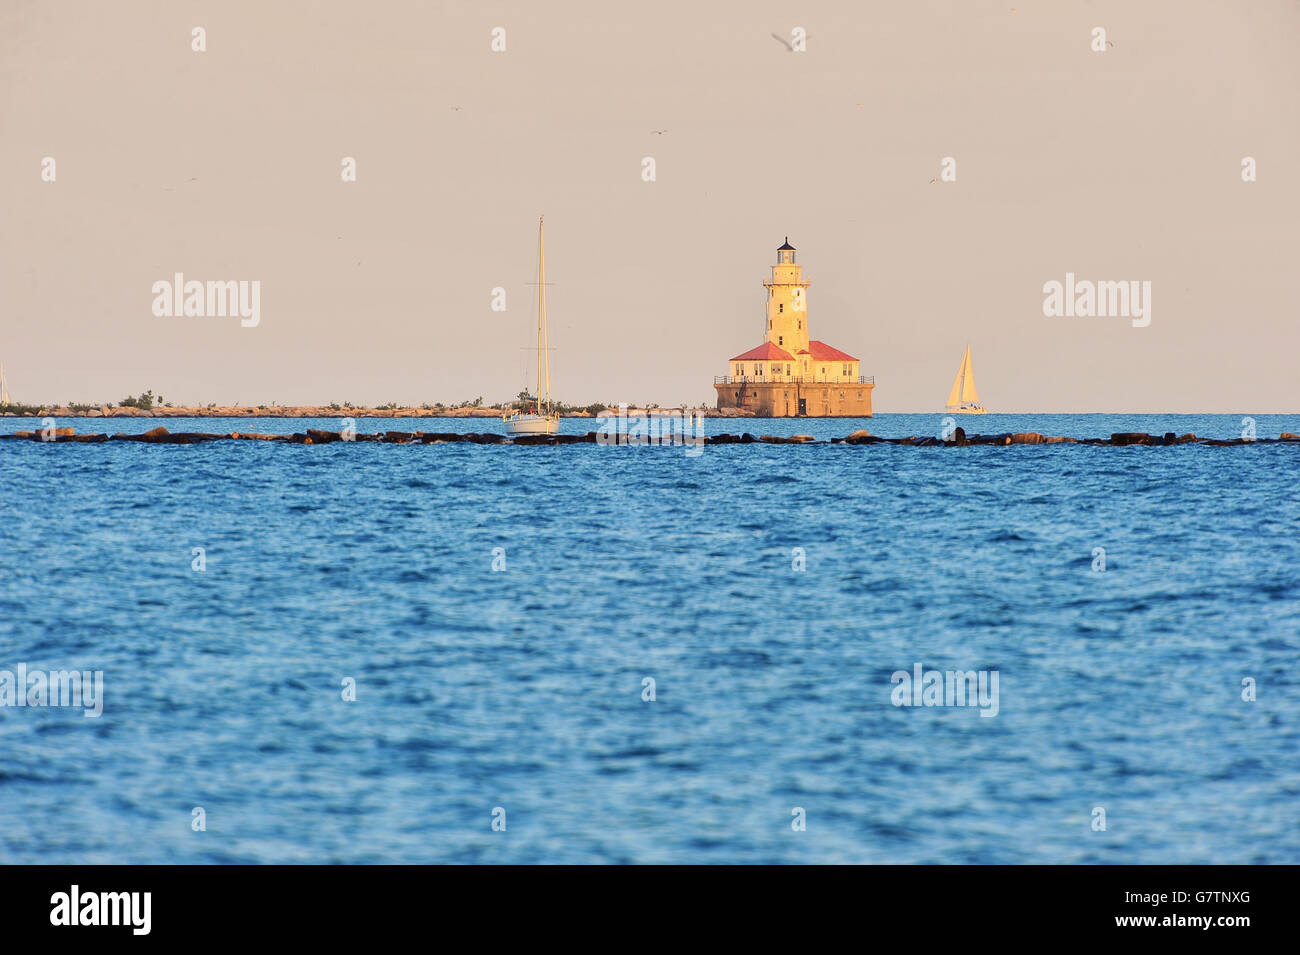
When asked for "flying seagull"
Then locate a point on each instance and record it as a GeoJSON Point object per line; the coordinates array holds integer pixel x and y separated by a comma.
{"type": "Point", "coordinates": [658, 132]}
{"type": "Point", "coordinates": [784, 42]}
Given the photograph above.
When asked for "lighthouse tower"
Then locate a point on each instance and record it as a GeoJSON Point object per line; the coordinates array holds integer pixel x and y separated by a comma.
{"type": "Point", "coordinates": [787, 304]}
{"type": "Point", "coordinates": [792, 373]}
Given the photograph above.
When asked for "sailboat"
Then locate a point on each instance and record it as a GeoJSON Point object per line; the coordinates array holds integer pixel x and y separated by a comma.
{"type": "Point", "coordinates": [543, 418]}
{"type": "Point", "coordinates": [964, 399]}
{"type": "Point", "coordinates": [4, 388]}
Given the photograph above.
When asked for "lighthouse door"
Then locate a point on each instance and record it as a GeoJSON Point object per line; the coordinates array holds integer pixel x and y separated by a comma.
{"type": "Point", "coordinates": [803, 405]}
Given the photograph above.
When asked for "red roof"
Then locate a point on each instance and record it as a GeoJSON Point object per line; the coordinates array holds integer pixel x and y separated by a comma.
{"type": "Point", "coordinates": [820, 351]}
{"type": "Point", "coordinates": [766, 352]}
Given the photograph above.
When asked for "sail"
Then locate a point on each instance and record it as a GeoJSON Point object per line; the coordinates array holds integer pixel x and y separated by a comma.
{"type": "Point", "coordinates": [955, 396]}
{"type": "Point", "coordinates": [968, 393]}
{"type": "Point", "coordinates": [963, 386]}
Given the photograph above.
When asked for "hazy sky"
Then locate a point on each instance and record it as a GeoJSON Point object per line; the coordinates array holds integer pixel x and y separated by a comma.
{"type": "Point", "coordinates": [225, 165]}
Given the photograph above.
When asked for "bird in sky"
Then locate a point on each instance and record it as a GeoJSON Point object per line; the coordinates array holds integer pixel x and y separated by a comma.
{"type": "Point", "coordinates": [784, 42]}
{"type": "Point", "coordinates": [658, 132]}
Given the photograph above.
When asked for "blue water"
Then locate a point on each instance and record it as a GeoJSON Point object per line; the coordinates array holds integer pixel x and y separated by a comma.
{"type": "Point", "coordinates": [521, 689]}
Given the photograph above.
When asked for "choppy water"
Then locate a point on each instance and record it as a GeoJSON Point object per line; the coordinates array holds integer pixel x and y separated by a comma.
{"type": "Point", "coordinates": [522, 689]}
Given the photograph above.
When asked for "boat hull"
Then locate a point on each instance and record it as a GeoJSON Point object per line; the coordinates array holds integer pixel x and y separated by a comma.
{"type": "Point", "coordinates": [533, 424]}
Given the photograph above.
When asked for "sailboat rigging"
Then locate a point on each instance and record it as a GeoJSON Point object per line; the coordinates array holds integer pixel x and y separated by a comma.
{"type": "Point", "coordinates": [543, 418]}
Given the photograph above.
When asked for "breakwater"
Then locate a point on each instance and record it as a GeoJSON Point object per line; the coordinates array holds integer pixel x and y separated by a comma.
{"type": "Point", "coordinates": [312, 436]}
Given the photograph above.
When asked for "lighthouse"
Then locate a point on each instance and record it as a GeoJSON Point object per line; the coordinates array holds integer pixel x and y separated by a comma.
{"type": "Point", "coordinates": [792, 373]}
{"type": "Point", "coordinates": [787, 304]}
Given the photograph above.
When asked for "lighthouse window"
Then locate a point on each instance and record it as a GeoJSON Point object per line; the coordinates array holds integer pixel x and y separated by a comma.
{"type": "Point", "coordinates": [780, 308]}
{"type": "Point", "coordinates": [780, 339]}
{"type": "Point", "coordinates": [800, 325]}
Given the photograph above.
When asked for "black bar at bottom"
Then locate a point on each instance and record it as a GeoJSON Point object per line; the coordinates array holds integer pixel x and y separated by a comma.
{"type": "Point", "coordinates": [334, 905]}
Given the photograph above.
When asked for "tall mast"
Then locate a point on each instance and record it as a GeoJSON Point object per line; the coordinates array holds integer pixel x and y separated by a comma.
{"type": "Point", "coordinates": [541, 309]}
{"type": "Point", "coordinates": [543, 329]}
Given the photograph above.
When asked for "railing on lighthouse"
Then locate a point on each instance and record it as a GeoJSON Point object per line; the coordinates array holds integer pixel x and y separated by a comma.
{"type": "Point", "coordinates": [792, 379]}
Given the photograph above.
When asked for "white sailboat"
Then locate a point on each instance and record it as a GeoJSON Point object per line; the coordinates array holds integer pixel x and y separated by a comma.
{"type": "Point", "coordinates": [4, 388]}
{"type": "Point", "coordinates": [543, 418]}
{"type": "Point", "coordinates": [964, 399]}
